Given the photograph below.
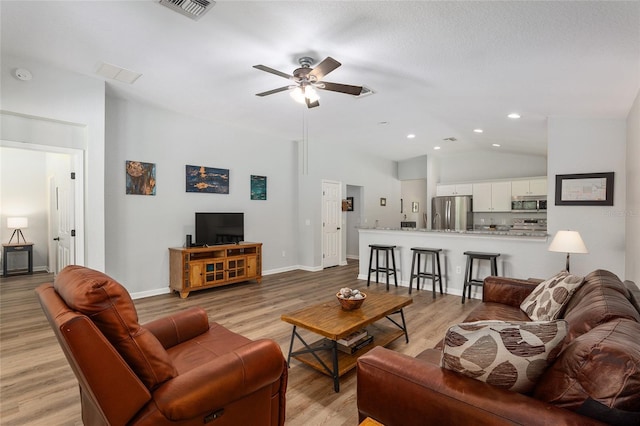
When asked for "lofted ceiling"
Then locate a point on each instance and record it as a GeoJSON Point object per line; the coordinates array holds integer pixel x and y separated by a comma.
{"type": "Point", "coordinates": [438, 70]}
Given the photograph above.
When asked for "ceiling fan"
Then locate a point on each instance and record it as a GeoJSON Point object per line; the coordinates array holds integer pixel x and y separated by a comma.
{"type": "Point", "coordinates": [306, 80]}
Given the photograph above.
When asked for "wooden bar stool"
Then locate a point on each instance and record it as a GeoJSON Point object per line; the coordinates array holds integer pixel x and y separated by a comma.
{"type": "Point", "coordinates": [416, 273]}
{"type": "Point", "coordinates": [377, 249]}
{"type": "Point", "coordinates": [469, 280]}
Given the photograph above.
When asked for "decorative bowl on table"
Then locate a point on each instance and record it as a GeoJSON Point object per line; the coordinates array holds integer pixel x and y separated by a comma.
{"type": "Point", "coordinates": [350, 299]}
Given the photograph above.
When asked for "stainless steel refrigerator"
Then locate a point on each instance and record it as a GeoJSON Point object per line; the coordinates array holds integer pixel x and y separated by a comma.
{"type": "Point", "coordinates": [452, 213]}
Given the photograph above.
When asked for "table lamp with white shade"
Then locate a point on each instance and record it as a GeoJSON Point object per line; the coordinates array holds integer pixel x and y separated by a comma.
{"type": "Point", "coordinates": [568, 242]}
{"type": "Point", "coordinates": [17, 224]}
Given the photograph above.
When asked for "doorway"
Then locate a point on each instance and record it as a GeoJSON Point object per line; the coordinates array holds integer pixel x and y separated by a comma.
{"type": "Point", "coordinates": [49, 197]}
{"type": "Point", "coordinates": [331, 223]}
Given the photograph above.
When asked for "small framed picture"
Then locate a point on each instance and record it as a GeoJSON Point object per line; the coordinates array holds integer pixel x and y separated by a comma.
{"type": "Point", "coordinates": [349, 204]}
{"type": "Point", "coordinates": [383, 201]}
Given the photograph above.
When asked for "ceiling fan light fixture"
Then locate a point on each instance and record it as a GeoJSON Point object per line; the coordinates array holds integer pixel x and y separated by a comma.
{"type": "Point", "coordinates": [301, 95]}
{"type": "Point", "coordinates": [311, 94]}
{"type": "Point", "coordinates": [297, 95]}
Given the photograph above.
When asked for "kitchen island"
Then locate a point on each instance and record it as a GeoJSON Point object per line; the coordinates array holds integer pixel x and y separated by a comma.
{"type": "Point", "coordinates": [522, 254]}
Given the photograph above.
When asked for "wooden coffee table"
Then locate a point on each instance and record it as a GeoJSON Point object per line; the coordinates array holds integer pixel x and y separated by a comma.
{"type": "Point", "coordinates": [329, 320]}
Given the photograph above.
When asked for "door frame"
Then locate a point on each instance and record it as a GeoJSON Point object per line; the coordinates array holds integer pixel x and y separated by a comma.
{"type": "Point", "coordinates": [77, 166]}
{"type": "Point", "coordinates": [322, 221]}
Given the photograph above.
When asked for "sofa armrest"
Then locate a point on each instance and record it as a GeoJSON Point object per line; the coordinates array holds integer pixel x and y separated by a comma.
{"type": "Point", "coordinates": [508, 291]}
{"type": "Point", "coordinates": [220, 381]}
{"type": "Point", "coordinates": [396, 389]}
{"type": "Point", "coordinates": [180, 327]}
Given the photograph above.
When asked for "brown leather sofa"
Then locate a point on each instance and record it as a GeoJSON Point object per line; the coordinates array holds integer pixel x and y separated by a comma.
{"type": "Point", "coordinates": [594, 380]}
{"type": "Point", "coordinates": [177, 370]}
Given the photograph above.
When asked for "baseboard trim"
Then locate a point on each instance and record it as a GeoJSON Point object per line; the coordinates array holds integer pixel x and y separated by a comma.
{"type": "Point", "coordinates": [149, 293]}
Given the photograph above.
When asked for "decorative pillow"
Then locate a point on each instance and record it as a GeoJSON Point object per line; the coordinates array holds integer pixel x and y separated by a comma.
{"type": "Point", "coordinates": [508, 355]}
{"type": "Point", "coordinates": [545, 303]}
{"type": "Point", "coordinates": [111, 309]}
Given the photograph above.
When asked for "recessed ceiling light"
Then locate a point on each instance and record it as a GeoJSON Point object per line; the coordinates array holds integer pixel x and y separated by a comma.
{"type": "Point", "coordinates": [436, 147]}
{"type": "Point", "coordinates": [411, 136]}
{"type": "Point", "coordinates": [514, 115]}
{"type": "Point", "coordinates": [495, 144]}
{"type": "Point", "coordinates": [478, 130]}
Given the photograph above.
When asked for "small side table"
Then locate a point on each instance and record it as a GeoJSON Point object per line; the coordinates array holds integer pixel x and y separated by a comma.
{"type": "Point", "coordinates": [17, 248]}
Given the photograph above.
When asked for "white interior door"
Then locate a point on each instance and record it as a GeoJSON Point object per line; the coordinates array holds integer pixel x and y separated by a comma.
{"type": "Point", "coordinates": [331, 223]}
{"type": "Point", "coordinates": [62, 214]}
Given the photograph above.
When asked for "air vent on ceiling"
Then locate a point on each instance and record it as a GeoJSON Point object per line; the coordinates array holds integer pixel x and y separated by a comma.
{"type": "Point", "coordinates": [115, 72]}
{"type": "Point", "coordinates": [451, 139]}
{"type": "Point", "coordinates": [193, 9]}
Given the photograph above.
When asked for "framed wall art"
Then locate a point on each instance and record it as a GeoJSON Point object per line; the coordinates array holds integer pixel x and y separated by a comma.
{"type": "Point", "coordinates": [258, 187]}
{"type": "Point", "coordinates": [207, 179]}
{"type": "Point", "coordinates": [140, 178]}
{"type": "Point", "coordinates": [584, 189]}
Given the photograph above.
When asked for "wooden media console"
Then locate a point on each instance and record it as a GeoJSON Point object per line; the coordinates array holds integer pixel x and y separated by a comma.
{"type": "Point", "coordinates": [197, 268]}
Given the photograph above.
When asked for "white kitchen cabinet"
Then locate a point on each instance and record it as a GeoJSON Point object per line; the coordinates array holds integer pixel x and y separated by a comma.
{"type": "Point", "coordinates": [538, 186]}
{"type": "Point", "coordinates": [521, 188]}
{"type": "Point", "coordinates": [459, 189]}
{"type": "Point", "coordinates": [492, 197]}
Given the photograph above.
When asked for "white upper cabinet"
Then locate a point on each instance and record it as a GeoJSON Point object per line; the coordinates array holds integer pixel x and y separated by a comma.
{"type": "Point", "coordinates": [538, 186]}
{"type": "Point", "coordinates": [492, 197]}
{"type": "Point", "coordinates": [459, 189]}
{"type": "Point", "coordinates": [529, 187]}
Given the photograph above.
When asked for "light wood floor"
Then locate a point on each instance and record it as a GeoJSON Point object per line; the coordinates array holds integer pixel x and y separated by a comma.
{"type": "Point", "coordinates": [37, 386]}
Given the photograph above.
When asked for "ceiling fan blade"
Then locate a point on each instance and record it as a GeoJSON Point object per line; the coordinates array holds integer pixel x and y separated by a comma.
{"type": "Point", "coordinates": [324, 68]}
{"type": "Point", "coordinates": [312, 104]}
{"type": "Point", "coordinates": [271, 92]}
{"type": "Point", "coordinates": [342, 88]}
{"type": "Point", "coordinates": [272, 71]}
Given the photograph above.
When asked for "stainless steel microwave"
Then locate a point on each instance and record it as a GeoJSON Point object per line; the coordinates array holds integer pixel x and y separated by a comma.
{"type": "Point", "coordinates": [528, 203]}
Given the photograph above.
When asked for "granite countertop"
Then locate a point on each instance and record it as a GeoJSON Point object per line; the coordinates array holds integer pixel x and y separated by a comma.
{"type": "Point", "coordinates": [497, 232]}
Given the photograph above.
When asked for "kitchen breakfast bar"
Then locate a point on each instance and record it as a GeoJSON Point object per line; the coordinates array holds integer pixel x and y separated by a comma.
{"type": "Point", "coordinates": [522, 254]}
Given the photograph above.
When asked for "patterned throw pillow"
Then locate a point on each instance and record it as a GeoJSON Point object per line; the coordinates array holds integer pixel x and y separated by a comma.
{"type": "Point", "coordinates": [508, 355]}
{"type": "Point", "coordinates": [545, 303]}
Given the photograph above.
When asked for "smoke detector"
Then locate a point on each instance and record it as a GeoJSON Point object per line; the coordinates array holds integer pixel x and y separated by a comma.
{"type": "Point", "coordinates": [23, 74]}
{"type": "Point", "coordinates": [193, 9]}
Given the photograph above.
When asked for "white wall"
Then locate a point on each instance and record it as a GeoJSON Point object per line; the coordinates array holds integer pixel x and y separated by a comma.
{"type": "Point", "coordinates": [376, 176]}
{"type": "Point", "coordinates": [590, 146]}
{"type": "Point", "coordinates": [142, 228]}
{"type": "Point", "coordinates": [632, 213]}
{"type": "Point", "coordinates": [76, 102]}
{"type": "Point", "coordinates": [413, 168]}
{"type": "Point", "coordinates": [484, 165]}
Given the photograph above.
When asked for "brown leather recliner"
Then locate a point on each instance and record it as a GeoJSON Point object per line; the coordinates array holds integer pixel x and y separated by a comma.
{"type": "Point", "coordinates": [175, 370]}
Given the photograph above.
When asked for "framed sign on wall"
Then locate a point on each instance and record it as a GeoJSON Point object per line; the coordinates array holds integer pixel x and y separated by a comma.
{"type": "Point", "coordinates": [584, 189]}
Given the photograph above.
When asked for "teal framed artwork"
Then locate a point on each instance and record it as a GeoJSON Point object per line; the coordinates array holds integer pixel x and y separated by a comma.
{"type": "Point", "coordinates": [258, 187]}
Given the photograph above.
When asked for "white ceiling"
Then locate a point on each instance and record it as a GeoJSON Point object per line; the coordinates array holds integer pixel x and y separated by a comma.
{"type": "Point", "coordinates": [438, 69]}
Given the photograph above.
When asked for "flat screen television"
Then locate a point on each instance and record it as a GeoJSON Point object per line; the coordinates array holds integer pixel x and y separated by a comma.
{"type": "Point", "coordinates": [219, 228]}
